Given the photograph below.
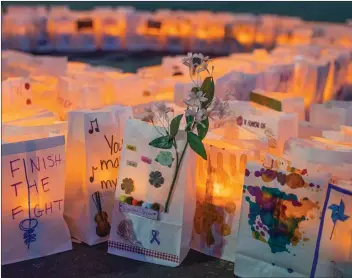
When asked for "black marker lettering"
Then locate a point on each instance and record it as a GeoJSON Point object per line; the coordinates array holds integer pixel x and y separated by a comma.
{"type": "Point", "coordinates": [35, 166]}
{"type": "Point", "coordinates": [13, 170]}
{"type": "Point", "coordinates": [59, 201]}
{"type": "Point", "coordinates": [49, 208]}
{"type": "Point", "coordinates": [17, 212]}
{"type": "Point", "coordinates": [44, 184]}
{"type": "Point", "coordinates": [15, 185]}
{"type": "Point", "coordinates": [40, 211]}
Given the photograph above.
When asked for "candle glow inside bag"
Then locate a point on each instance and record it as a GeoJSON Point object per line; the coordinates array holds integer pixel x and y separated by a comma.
{"type": "Point", "coordinates": [30, 129]}
{"type": "Point", "coordinates": [94, 143]}
{"type": "Point", "coordinates": [33, 185]}
{"type": "Point", "coordinates": [219, 193]}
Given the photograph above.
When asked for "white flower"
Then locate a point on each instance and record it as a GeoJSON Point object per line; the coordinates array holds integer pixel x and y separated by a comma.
{"type": "Point", "coordinates": [162, 109]}
{"type": "Point", "coordinates": [198, 114]}
{"type": "Point", "coordinates": [219, 109]}
{"type": "Point", "coordinates": [149, 112]}
{"type": "Point", "coordinates": [194, 61]}
{"type": "Point", "coordinates": [195, 99]}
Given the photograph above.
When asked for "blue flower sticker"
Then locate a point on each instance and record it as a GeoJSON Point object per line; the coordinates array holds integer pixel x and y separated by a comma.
{"type": "Point", "coordinates": [337, 214]}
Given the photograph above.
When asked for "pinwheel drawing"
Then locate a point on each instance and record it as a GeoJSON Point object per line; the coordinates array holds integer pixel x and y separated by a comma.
{"type": "Point", "coordinates": [337, 214]}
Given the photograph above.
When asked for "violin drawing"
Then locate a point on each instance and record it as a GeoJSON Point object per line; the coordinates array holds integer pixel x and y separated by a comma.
{"type": "Point", "coordinates": [101, 218]}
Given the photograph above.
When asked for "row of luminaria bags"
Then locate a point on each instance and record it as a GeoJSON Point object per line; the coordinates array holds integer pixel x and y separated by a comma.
{"type": "Point", "coordinates": [256, 171]}
{"type": "Point", "coordinates": [43, 29]}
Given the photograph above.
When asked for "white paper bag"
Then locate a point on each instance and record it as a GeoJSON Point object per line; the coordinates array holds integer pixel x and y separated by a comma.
{"type": "Point", "coordinates": [33, 128]}
{"type": "Point", "coordinates": [219, 193]}
{"type": "Point", "coordinates": [33, 184]}
{"type": "Point", "coordinates": [275, 126]}
{"type": "Point", "coordinates": [280, 102]}
{"type": "Point", "coordinates": [279, 222]}
{"type": "Point", "coordinates": [334, 245]}
{"type": "Point", "coordinates": [236, 85]}
{"type": "Point", "coordinates": [148, 234]}
{"type": "Point", "coordinates": [93, 152]}
{"type": "Point", "coordinates": [331, 115]}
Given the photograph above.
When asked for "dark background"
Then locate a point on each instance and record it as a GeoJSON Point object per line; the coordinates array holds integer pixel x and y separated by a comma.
{"type": "Point", "coordinates": [334, 11]}
{"type": "Point", "coordinates": [93, 261]}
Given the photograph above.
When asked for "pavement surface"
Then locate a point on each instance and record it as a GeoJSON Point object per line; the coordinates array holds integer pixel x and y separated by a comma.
{"type": "Point", "coordinates": [93, 261]}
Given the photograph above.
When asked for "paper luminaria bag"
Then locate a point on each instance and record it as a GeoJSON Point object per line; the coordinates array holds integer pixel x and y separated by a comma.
{"type": "Point", "coordinates": [139, 231]}
{"type": "Point", "coordinates": [272, 125]}
{"type": "Point", "coordinates": [280, 102]}
{"type": "Point", "coordinates": [279, 222]}
{"type": "Point", "coordinates": [332, 257]}
{"type": "Point", "coordinates": [94, 142]}
{"type": "Point", "coordinates": [219, 181]}
{"type": "Point", "coordinates": [33, 180]}
{"type": "Point", "coordinates": [334, 245]}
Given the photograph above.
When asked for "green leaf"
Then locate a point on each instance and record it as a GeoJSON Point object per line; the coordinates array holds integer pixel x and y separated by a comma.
{"type": "Point", "coordinates": [189, 119]}
{"type": "Point", "coordinates": [196, 144]}
{"type": "Point", "coordinates": [195, 89]}
{"type": "Point", "coordinates": [208, 89]}
{"type": "Point", "coordinates": [175, 125]}
{"type": "Point", "coordinates": [163, 142]}
{"type": "Point", "coordinates": [202, 128]}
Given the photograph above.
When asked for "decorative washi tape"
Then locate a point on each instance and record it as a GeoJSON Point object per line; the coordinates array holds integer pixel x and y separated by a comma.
{"type": "Point", "coordinates": [146, 160]}
{"type": "Point", "coordinates": [131, 148]}
{"type": "Point", "coordinates": [132, 163]}
{"type": "Point", "coordinates": [140, 211]}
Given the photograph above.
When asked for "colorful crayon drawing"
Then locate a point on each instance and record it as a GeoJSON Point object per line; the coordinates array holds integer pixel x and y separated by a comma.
{"type": "Point", "coordinates": [274, 216]}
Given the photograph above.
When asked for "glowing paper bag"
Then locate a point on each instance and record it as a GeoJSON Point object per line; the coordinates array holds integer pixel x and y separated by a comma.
{"type": "Point", "coordinates": [310, 79]}
{"type": "Point", "coordinates": [33, 184]}
{"type": "Point", "coordinates": [93, 151]}
{"type": "Point", "coordinates": [32, 128]}
{"type": "Point", "coordinates": [303, 150]}
{"type": "Point", "coordinates": [331, 115]}
{"type": "Point", "coordinates": [79, 92]}
{"type": "Point", "coordinates": [85, 37]}
{"type": "Point", "coordinates": [333, 250]}
{"type": "Point", "coordinates": [236, 85]}
{"type": "Point", "coordinates": [279, 222]}
{"type": "Point", "coordinates": [275, 126]}
{"type": "Point", "coordinates": [16, 95]}
{"type": "Point", "coordinates": [219, 193]}
{"type": "Point", "coordinates": [145, 232]}
{"type": "Point", "coordinates": [280, 102]}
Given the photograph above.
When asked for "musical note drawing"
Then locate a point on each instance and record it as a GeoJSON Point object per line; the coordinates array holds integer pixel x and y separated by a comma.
{"type": "Point", "coordinates": [91, 179]}
{"type": "Point", "coordinates": [29, 224]}
{"type": "Point", "coordinates": [96, 128]}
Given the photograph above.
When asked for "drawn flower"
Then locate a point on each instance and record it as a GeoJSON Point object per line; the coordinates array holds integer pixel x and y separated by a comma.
{"type": "Point", "coordinates": [127, 185]}
{"type": "Point", "coordinates": [195, 99]}
{"type": "Point", "coordinates": [337, 214]}
{"type": "Point", "coordinates": [165, 158]}
{"type": "Point", "coordinates": [156, 179]}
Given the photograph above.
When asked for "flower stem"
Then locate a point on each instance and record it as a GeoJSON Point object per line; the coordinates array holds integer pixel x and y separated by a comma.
{"type": "Point", "coordinates": [178, 165]}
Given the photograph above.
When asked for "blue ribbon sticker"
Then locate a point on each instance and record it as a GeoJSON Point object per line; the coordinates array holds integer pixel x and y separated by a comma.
{"type": "Point", "coordinates": [154, 238]}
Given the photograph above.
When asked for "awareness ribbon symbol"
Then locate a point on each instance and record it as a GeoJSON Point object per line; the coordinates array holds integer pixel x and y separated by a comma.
{"type": "Point", "coordinates": [154, 238]}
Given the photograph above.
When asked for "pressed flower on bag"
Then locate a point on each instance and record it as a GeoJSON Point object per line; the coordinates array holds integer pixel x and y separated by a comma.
{"type": "Point", "coordinates": [156, 179]}
{"type": "Point", "coordinates": [200, 104]}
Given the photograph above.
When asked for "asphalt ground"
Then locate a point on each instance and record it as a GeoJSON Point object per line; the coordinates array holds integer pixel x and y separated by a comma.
{"type": "Point", "coordinates": [94, 261]}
